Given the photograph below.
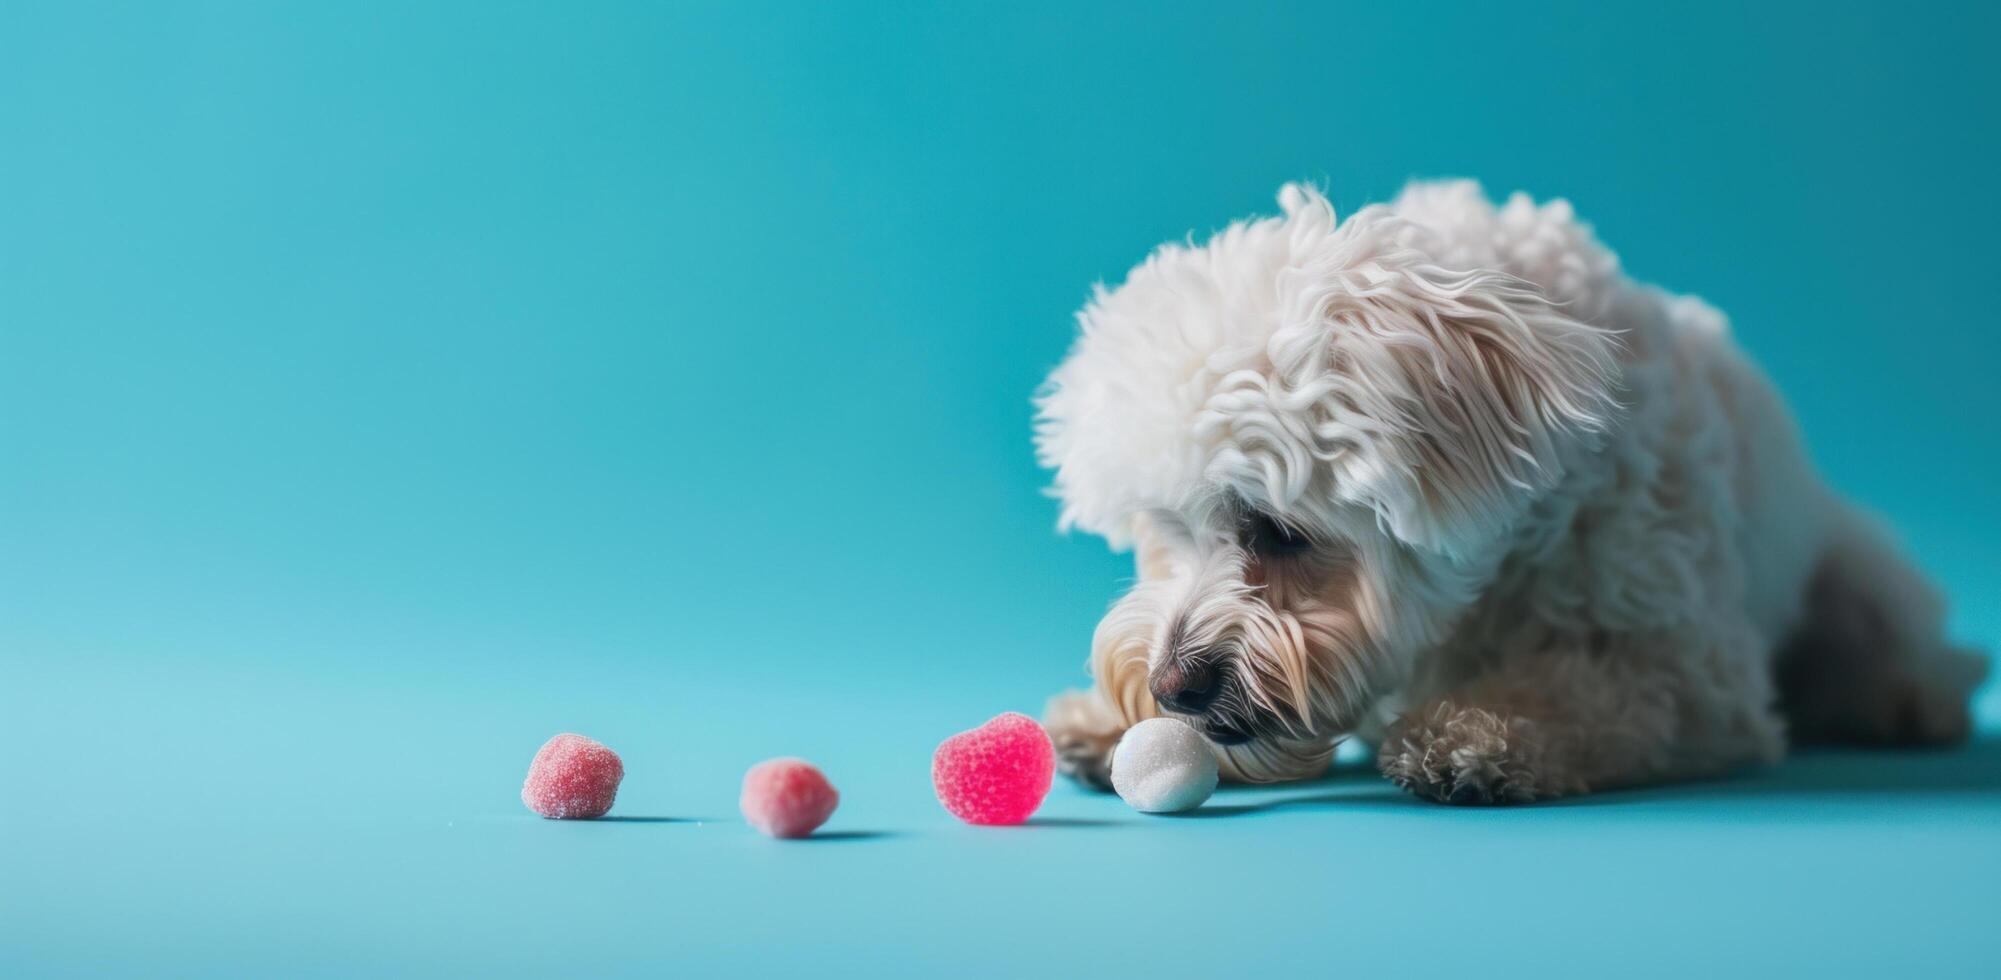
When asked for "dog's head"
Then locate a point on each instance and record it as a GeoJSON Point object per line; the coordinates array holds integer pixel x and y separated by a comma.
{"type": "Point", "coordinates": [1316, 437]}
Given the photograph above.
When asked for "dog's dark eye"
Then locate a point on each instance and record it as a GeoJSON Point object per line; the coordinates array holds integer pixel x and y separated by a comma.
{"type": "Point", "coordinates": [1267, 536]}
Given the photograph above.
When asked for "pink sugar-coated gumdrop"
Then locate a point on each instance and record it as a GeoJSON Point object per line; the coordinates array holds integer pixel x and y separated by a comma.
{"type": "Point", "coordinates": [572, 778]}
{"type": "Point", "coordinates": [997, 773]}
{"type": "Point", "coordinates": [787, 797]}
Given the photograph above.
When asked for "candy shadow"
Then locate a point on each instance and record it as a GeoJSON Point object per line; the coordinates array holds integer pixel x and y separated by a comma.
{"type": "Point", "coordinates": [841, 835]}
{"type": "Point", "coordinates": [1070, 822]}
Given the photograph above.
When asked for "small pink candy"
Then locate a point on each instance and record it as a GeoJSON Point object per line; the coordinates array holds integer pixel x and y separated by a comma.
{"type": "Point", "coordinates": [572, 778]}
{"type": "Point", "coordinates": [787, 798]}
{"type": "Point", "coordinates": [997, 773]}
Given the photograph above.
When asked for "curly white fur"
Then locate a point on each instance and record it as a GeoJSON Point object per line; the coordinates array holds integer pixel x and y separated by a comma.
{"type": "Point", "coordinates": [1442, 465]}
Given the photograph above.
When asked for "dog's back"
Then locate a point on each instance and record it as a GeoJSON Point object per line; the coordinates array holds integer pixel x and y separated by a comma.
{"type": "Point", "coordinates": [1717, 463]}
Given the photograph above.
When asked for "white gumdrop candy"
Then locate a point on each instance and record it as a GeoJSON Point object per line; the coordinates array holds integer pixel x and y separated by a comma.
{"type": "Point", "coordinates": [1163, 766]}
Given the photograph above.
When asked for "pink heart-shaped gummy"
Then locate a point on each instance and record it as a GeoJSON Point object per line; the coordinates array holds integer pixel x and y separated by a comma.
{"type": "Point", "coordinates": [997, 773]}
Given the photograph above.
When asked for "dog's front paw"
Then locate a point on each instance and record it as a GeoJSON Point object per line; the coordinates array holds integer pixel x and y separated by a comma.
{"type": "Point", "coordinates": [1085, 730]}
{"type": "Point", "coordinates": [1467, 756]}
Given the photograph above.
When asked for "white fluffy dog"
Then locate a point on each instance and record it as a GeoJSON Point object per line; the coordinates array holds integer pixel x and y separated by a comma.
{"type": "Point", "coordinates": [1441, 476]}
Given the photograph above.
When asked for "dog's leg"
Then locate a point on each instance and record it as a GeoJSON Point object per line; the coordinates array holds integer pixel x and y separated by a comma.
{"type": "Point", "coordinates": [1870, 663]}
{"type": "Point", "coordinates": [1086, 728]}
{"type": "Point", "coordinates": [1086, 725]}
{"type": "Point", "coordinates": [1565, 722]}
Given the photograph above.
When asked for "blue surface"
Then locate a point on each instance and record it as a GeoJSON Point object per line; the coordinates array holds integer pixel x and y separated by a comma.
{"type": "Point", "coordinates": [382, 391]}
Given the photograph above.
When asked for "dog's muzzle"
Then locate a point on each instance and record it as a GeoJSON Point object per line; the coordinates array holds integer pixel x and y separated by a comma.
{"type": "Point", "coordinates": [1193, 684]}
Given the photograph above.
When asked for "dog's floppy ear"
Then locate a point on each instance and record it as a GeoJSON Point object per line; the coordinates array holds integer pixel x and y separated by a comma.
{"type": "Point", "coordinates": [1467, 391]}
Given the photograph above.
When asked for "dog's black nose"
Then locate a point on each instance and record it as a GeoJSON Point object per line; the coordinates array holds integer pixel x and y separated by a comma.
{"type": "Point", "coordinates": [1185, 684]}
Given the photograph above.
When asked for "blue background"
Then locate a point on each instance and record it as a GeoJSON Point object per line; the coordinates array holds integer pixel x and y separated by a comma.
{"type": "Point", "coordinates": [383, 391]}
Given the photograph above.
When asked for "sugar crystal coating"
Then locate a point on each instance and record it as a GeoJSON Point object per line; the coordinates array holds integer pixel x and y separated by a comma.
{"type": "Point", "coordinates": [572, 778]}
{"type": "Point", "coordinates": [787, 797]}
{"type": "Point", "coordinates": [1162, 765]}
{"type": "Point", "coordinates": [997, 773]}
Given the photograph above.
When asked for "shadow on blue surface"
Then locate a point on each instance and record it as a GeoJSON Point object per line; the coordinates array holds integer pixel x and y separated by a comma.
{"type": "Point", "coordinates": [1967, 773]}
{"type": "Point", "coordinates": [1069, 822]}
{"type": "Point", "coordinates": [1384, 794]}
